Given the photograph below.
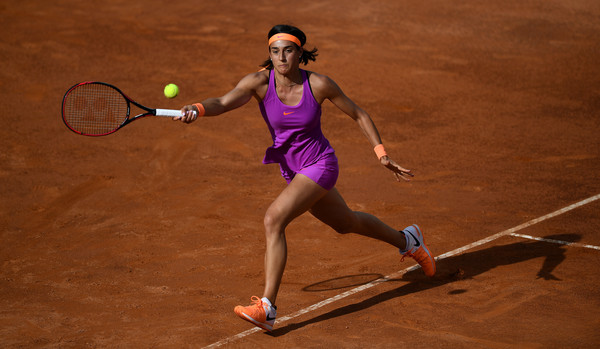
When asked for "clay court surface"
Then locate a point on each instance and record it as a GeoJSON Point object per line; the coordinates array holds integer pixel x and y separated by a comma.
{"type": "Point", "coordinates": [150, 236]}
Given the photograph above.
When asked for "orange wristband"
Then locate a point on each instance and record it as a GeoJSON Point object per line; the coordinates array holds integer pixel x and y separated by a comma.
{"type": "Point", "coordinates": [380, 151]}
{"type": "Point", "coordinates": [201, 109]}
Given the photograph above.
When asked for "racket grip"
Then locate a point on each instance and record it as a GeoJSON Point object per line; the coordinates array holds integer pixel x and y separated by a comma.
{"type": "Point", "coordinates": [168, 112]}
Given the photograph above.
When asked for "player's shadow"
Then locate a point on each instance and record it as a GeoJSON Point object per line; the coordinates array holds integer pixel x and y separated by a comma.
{"type": "Point", "coordinates": [452, 269]}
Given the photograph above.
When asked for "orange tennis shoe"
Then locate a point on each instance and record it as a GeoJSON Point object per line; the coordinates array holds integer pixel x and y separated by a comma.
{"type": "Point", "coordinates": [260, 313]}
{"type": "Point", "coordinates": [419, 250]}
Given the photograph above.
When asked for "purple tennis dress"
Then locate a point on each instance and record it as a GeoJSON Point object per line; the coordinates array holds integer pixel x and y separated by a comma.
{"type": "Point", "coordinates": [299, 145]}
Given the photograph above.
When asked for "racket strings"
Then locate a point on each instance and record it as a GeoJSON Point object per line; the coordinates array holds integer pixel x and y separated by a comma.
{"type": "Point", "coordinates": [95, 109]}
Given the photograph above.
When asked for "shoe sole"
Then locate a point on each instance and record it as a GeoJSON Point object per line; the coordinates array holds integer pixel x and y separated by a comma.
{"type": "Point", "coordinates": [262, 325]}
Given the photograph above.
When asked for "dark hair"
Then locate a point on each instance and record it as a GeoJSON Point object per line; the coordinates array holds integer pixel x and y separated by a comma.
{"type": "Point", "coordinates": [307, 55]}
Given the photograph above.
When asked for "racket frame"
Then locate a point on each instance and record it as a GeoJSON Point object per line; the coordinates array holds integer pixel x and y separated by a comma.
{"type": "Point", "coordinates": [149, 111]}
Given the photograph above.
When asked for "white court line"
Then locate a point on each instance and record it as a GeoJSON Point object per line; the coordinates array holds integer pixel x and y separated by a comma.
{"type": "Point", "coordinates": [455, 252]}
{"type": "Point", "coordinates": [574, 244]}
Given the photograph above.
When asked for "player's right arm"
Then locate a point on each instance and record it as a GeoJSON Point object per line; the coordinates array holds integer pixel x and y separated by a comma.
{"type": "Point", "coordinates": [250, 86]}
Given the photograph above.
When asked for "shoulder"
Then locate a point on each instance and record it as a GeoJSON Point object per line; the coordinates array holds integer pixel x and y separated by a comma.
{"type": "Point", "coordinates": [323, 87]}
{"type": "Point", "coordinates": [319, 80]}
{"type": "Point", "coordinates": [255, 80]}
{"type": "Point", "coordinates": [255, 83]}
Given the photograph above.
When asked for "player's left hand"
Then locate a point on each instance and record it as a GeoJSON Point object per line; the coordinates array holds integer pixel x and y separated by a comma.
{"type": "Point", "coordinates": [399, 172]}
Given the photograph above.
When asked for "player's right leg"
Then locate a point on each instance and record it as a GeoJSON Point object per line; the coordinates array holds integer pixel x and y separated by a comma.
{"type": "Point", "coordinates": [294, 200]}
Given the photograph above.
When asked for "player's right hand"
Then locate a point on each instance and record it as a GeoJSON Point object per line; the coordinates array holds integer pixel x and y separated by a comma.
{"type": "Point", "coordinates": [189, 114]}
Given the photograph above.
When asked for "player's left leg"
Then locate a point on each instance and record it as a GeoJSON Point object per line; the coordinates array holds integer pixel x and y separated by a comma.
{"type": "Point", "coordinates": [333, 211]}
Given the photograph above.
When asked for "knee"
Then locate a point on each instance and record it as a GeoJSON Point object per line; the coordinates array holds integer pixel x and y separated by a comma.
{"type": "Point", "coordinates": [273, 223]}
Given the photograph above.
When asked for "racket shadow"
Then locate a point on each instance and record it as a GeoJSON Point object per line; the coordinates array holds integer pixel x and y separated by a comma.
{"type": "Point", "coordinates": [342, 282]}
{"type": "Point", "coordinates": [452, 269]}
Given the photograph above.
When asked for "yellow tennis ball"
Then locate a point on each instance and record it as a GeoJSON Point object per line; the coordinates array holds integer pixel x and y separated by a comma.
{"type": "Point", "coordinates": [171, 91]}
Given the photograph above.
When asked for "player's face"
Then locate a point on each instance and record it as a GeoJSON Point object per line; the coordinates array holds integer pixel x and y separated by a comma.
{"type": "Point", "coordinates": [285, 56]}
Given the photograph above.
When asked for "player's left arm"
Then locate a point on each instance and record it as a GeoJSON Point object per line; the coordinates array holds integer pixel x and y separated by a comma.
{"type": "Point", "coordinates": [328, 89]}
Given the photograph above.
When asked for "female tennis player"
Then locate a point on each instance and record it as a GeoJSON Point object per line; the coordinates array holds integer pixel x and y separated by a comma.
{"type": "Point", "coordinates": [290, 101]}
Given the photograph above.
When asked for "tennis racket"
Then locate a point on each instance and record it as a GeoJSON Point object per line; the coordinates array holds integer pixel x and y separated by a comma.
{"type": "Point", "coordinates": [94, 108]}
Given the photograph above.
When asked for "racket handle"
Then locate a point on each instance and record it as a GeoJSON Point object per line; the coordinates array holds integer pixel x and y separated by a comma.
{"type": "Point", "coordinates": [168, 112]}
{"type": "Point", "coordinates": [171, 113]}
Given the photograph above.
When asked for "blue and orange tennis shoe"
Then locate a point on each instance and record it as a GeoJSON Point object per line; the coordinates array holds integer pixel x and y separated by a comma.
{"type": "Point", "coordinates": [260, 313]}
{"type": "Point", "coordinates": [416, 248]}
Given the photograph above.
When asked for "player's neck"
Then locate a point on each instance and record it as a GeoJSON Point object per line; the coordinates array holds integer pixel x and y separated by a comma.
{"type": "Point", "coordinates": [289, 80]}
